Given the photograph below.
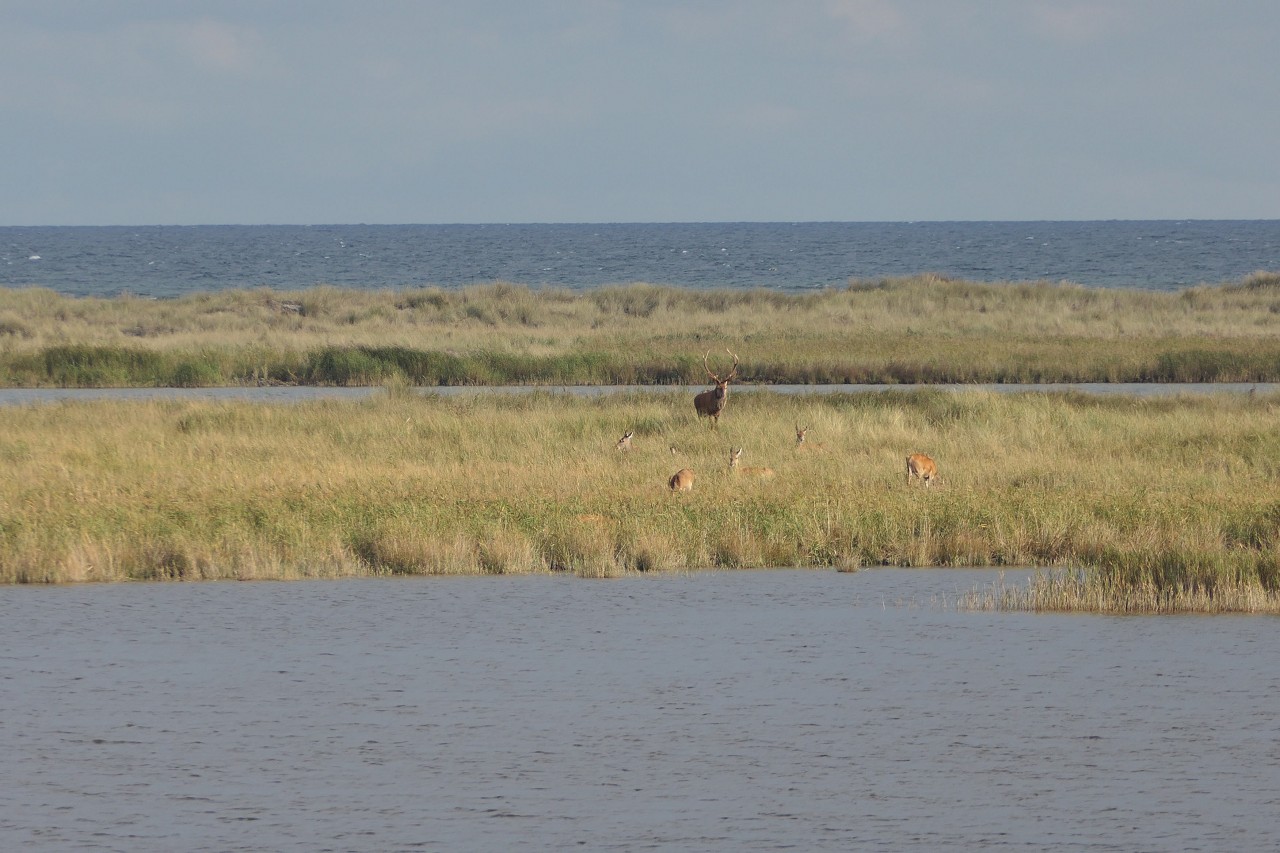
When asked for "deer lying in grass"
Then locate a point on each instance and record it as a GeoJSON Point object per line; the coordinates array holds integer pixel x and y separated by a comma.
{"type": "Point", "coordinates": [681, 481]}
{"type": "Point", "coordinates": [624, 443]}
{"type": "Point", "coordinates": [919, 465]}
{"type": "Point", "coordinates": [746, 471]}
{"type": "Point", "coordinates": [802, 440]}
{"type": "Point", "coordinates": [710, 404]}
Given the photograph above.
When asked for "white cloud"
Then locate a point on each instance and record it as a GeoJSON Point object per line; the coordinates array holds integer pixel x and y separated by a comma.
{"type": "Point", "coordinates": [218, 46]}
{"type": "Point", "coordinates": [870, 20]}
{"type": "Point", "coordinates": [1077, 22]}
{"type": "Point", "coordinates": [141, 73]}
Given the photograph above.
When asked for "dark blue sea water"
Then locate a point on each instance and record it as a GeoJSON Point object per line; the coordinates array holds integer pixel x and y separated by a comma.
{"type": "Point", "coordinates": [175, 260]}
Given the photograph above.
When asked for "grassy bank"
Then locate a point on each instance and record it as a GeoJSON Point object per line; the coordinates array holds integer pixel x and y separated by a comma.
{"type": "Point", "coordinates": [1177, 493]}
{"type": "Point", "coordinates": [918, 330]}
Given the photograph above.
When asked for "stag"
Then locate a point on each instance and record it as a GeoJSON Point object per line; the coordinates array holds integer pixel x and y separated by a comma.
{"type": "Point", "coordinates": [711, 403]}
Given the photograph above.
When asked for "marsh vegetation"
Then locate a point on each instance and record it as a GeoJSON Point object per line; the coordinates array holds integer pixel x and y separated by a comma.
{"type": "Point", "coordinates": [1176, 495]}
{"type": "Point", "coordinates": [1131, 505]}
{"type": "Point", "coordinates": [918, 330]}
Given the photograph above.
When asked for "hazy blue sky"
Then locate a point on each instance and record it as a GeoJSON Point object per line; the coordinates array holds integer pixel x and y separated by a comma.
{"type": "Point", "coordinates": [166, 112]}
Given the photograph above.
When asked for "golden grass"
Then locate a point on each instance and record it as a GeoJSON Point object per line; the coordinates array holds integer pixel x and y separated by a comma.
{"type": "Point", "coordinates": [1098, 590]}
{"type": "Point", "coordinates": [1166, 494]}
{"type": "Point", "coordinates": [1136, 505]}
{"type": "Point", "coordinates": [917, 329]}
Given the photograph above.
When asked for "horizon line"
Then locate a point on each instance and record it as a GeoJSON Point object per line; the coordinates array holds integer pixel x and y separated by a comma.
{"type": "Point", "coordinates": [607, 223]}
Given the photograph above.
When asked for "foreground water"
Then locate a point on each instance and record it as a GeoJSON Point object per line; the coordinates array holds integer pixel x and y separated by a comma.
{"type": "Point", "coordinates": [804, 710]}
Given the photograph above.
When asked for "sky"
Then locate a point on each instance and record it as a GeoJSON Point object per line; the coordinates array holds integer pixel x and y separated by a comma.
{"type": "Point", "coordinates": [154, 112]}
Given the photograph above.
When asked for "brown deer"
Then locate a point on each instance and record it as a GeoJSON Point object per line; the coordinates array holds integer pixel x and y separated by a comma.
{"type": "Point", "coordinates": [711, 403]}
{"type": "Point", "coordinates": [681, 481]}
{"type": "Point", "coordinates": [802, 440]}
{"type": "Point", "coordinates": [919, 465]}
{"type": "Point", "coordinates": [624, 443]}
{"type": "Point", "coordinates": [746, 471]}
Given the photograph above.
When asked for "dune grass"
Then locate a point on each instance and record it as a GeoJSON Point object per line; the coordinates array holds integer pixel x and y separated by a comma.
{"type": "Point", "coordinates": [1150, 494]}
{"type": "Point", "coordinates": [923, 329]}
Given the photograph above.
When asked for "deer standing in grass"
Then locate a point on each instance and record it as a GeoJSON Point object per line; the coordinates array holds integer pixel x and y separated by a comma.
{"type": "Point", "coordinates": [710, 403]}
{"type": "Point", "coordinates": [919, 465]}
{"type": "Point", "coordinates": [624, 443]}
{"type": "Point", "coordinates": [746, 471]}
{"type": "Point", "coordinates": [681, 481]}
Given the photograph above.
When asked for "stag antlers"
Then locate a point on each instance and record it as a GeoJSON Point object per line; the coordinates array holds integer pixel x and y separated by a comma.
{"type": "Point", "coordinates": [711, 403]}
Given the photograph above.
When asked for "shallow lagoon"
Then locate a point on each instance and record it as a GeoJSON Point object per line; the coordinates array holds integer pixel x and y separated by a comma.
{"type": "Point", "coordinates": [300, 393]}
{"type": "Point", "coordinates": [740, 710]}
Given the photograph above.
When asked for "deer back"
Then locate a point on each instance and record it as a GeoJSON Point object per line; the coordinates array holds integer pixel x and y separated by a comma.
{"type": "Point", "coordinates": [681, 481]}
{"type": "Point", "coordinates": [922, 466]}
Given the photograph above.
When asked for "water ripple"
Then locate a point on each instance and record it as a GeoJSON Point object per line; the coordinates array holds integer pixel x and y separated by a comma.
{"type": "Point", "coordinates": [716, 711]}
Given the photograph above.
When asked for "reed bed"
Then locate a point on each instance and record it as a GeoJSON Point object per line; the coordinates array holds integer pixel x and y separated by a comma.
{"type": "Point", "coordinates": [1145, 494]}
{"type": "Point", "coordinates": [924, 329]}
{"type": "Point", "coordinates": [1103, 590]}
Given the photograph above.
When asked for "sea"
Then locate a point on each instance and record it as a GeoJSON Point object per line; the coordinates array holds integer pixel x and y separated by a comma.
{"type": "Point", "coordinates": [170, 261]}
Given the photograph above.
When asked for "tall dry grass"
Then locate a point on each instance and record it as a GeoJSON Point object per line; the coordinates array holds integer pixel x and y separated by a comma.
{"type": "Point", "coordinates": [1171, 493]}
{"type": "Point", "coordinates": [1104, 590]}
{"type": "Point", "coordinates": [921, 329]}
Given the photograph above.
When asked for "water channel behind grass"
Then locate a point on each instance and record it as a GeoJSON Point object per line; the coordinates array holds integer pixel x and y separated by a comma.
{"type": "Point", "coordinates": [298, 393]}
